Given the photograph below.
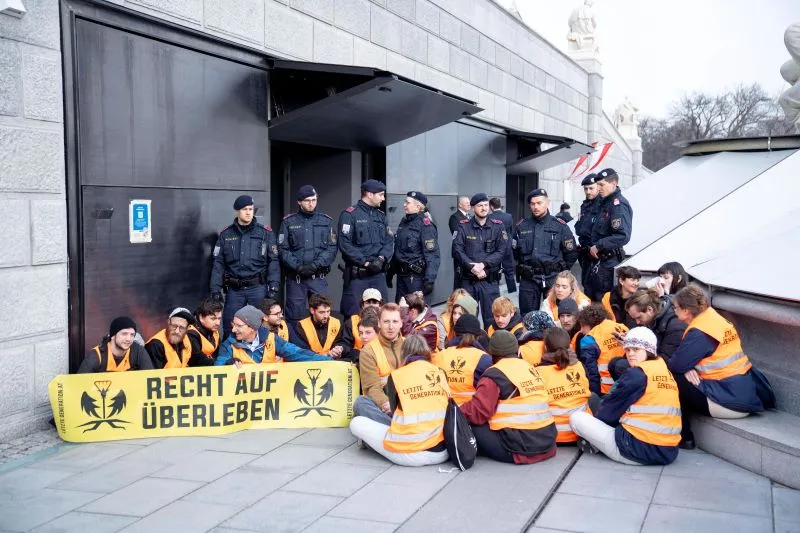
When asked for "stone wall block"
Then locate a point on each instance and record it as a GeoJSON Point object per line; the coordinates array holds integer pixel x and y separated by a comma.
{"type": "Point", "coordinates": [503, 58]}
{"type": "Point", "coordinates": [509, 86]}
{"type": "Point", "coordinates": [49, 231]}
{"type": "Point", "coordinates": [478, 72]}
{"type": "Point", "coordinates": [16, 236]}
{"type": "Point", "coordinates": [501, 110]}
{"type": "Point", "coordinates": [450, 28]}
{"type": "Point", "coordinates": [523, 95]}
{"type": "Point", "coordinates": [427, 16]}
{"type": "Point", "coordinates": [414, 42]}
{"type": "Point", "coordinates": [470, 40]}
{"type": "Point", "coordinates": [400, 65]}
{"type": "Point", "coordinates": [353, 16]}
{"type": "Point", "coordinates": [240, 18]}
{"type": "Point", "coordinates": [191, 10]}
{"type": "Point", "coordinates": [39, 26]}
{"type": "Point", "coordinates": [459, 63]}
{"type": "Point", "coordinates": [42, 90]}
{"type": "Point", "coordinates": [404, 8]}
{"type": "Point", "coordinates": [529, 74]}
{"type": "Point", "coordinates": [438, 53]}
{"type": "Point", "coordinates": [16, 373]}
{"type": "Point", "coordinates": [495, 80]}
{"type": "Point", "coordinates": [486, 101]}
{"type": "Point", "coordinates": [517, 66]}
{"type": "Point", "coordinates": [332, 45]}
{"type": "Point", "coordinates": [10, 69]}
{"type": "Point", "coordinates": [289, 31]}
{"type": "Point", "coordinates": [50, 360]}
{"type": "Point", "coordinates": [321, 9]}
{"type": "Point", "coordinates": [31, 160]}
{"type": "Point", "coordinates": [385, 29]}
{"type": "Point", "coordinates": [487, 49]}
{"type": "Point", "coordinates": [367, 54]}
{"type": "Point", "coordinates": [35, 301]}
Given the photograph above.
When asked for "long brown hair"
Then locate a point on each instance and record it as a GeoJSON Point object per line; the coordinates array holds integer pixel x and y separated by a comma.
{"type": "Point", "coordinates": [691, 298]}
{"type": "Point", "coordinates": [556, 343]}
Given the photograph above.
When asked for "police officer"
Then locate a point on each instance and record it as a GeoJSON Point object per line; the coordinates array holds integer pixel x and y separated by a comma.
{"type": "Point", "coordinates": [479, 247]}
{"type": "Point", "coordinates": [367, 245]}
{"type": "Point", "coordinates": [543, 246]}
{"type": "Point", "coordinates": [245, 262]}
{"type": "Point", "coordinates": [307, 246]}
{"type": "Point", "coordinates": [611, 231]}
{"type": "Point", "coordinates": [583, 226]}
{"type": "Point", "coordinates": [416, 249]}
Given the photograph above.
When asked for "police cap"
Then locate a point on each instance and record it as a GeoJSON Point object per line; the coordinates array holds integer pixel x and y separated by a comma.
{"type": "Point", "coordinates": [306, 191]}
{"type": "Point", "coordinates": [418, 196]}
{"type": "Point", "coordinates": [478, 198]}
{"type": "Point", "coordinates": [242, 202]}
{"type": "Point", "coordinates": [589, 180]}
{"type": "Point", "coordinates": [373, 186]}
{"type": "Point", "coordinates": [607, 173]}
{"type": "Point", "coordinates": [534, 193]}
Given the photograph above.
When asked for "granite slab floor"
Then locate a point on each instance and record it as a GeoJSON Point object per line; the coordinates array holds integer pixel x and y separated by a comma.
{"type": "Point", "coordinates": [319, 481]}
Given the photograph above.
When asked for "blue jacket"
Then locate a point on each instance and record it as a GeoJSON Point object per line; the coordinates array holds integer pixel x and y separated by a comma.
{"type": "Point", "coordinates": [626, 391]}
{"type": "Point", "coordinates": [546, 243]}
{"type": "Point", "coordinates": [583, 226]}
{"type": "Point", "coordinates": [736, 392]}
{"type": "Point", "coordinates": [307, 239]}
{"type": "Point", "coordinates": [417, 242]}
{"type": "Point", "coordinates": [588, 353]}
{"type": "Point", "coordinates": [283, 349]}
{"type": "Point", "coordinates": [364, 235]}
{"type": "Point", "coordinates": [613, 223]}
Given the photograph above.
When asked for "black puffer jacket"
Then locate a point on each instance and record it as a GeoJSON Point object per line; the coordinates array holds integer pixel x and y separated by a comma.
{"type": "Point", "coordinates": [668, 328]}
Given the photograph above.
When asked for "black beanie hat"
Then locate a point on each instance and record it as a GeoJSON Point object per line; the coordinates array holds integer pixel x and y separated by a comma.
{"type": "Point", "coordinates": [468, 324]}
{"type": "Point", "coordinates": [120, 323]}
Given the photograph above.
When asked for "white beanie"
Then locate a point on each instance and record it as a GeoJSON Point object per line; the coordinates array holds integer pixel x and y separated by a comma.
{"type": "Point", "coordinates": [641, 337]}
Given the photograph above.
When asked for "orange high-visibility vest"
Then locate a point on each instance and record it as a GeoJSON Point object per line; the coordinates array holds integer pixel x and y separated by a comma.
{"type": "Point", "coordinates": [529, 409]}
{"type": "Point", "coordinates": [173, 361]}
{"type": "Point", "coordinates": [425, 324]}
{"type": "Point", "coordinates": [532, 352]}
{"type": "Point", "coordinates": [206, 346]}
{"type": "Point", "coordinates": [655, 418]}
{"type": "Point", "coordinates": [268, 357]}
{"type": "Point", "coordinates": [606, 301]}
{"type": "Point", "coordinates": [111, 363]}
{"type": "Point", "coordinates": [603, 334]}
{"type": "Point", "coordinates": [448, 330]}
{"type": "Point", "coordinates": [283, 330]}
{"type": "Point", "coordinates": [459, 366]}
{"type": "Point", "coordinates": [334, 325]}
{"type": "Point", "coordinates": [355, 320]}
{"type": "Point", "coordinates": [513, 330]}
{"type": "Point", "coordinates": [384, 367]}
{"type": "Point", "coordinates": [568, 392]}
{"type": "Point", "coordinates": [418, 421]}
{"type": "Point", "coordinates": [573, 343]}
{"type": "Point", "coordinates": [728, 359]}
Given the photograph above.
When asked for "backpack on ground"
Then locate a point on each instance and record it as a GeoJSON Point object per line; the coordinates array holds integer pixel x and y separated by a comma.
{"type": "Point", "coordinates": [458, 437]}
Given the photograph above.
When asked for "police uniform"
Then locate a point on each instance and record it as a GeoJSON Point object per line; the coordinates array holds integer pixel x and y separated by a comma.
{"type": "Point", "coordinates": [364, 238]}
{"type": "Point", "coordinates": [610, 232]}
{"type": "Point", "coordinates": [416, 252]}
{"type": "Point", "coordinates": [245, 263]}
{"type": "Point", "coordinates": [543, 247]}
{"type": "Point", "coordinates": [476, 243]}
{"type": "Point", "coordinates": [583, 227]}
{"type": "Point", "coordinates": [307, 247]}
{"type": "Point", "coordinates": [508, 260]}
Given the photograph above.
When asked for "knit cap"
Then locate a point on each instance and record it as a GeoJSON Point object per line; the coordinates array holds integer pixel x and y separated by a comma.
{"type": "Point", "coordinates": [503, 343]}
{"type": "Point", "coordinates": [538, 321]}
{"type": "Point", "coordinates": [468, 303]}
{"type": "Point", "coordinates": [641, 337]}
{"type": "Point", "coordinates": [468, 324]}
{"type": "Point", "coordinates": [120, 323]}
{"type": "Point", "coordinates": [250, 316]}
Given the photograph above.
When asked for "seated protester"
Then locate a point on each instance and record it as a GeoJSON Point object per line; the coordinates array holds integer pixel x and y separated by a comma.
{"type": "Point", "coordinates": [614, 301]}
{"type": "Point", "coordinates": [414, 435]}
{"type": "Point", "coordinates": [531, 344]}
{"type": "Point", "coordinates": [672, 277]}
{"type": "Point", "coordinates": [568, 320]}
{"type": "Point", "coordinates": [598, 346]}
{"type": "Point", "coordinates": [465, 361]}
{"type": "Point", "coordinates": [421, 320]}
{"type": "Point", "coordinates": [273, 318]}
{"type": "Point", "coordinates": [505, 317]}
{"type": "Point", "coordinates": [714, 376]}
{"type": "Point", "coordinates": [567, 384]}
{"type": "Point", "coordinates": [171, 347]}
{"type": "Point", "coordinates": [367, 330]}
{"type": "Point", "coordinates": [377, 359]}
{"type": "Point", "coordinates": [639, 421]}
{"type": "Point", "coordinates": [320, 331]}
{"type": "Point", "coordinates": [124, 353]}
{"type": "Point", "coordinates": [252, 343]}
{"type": "Point", "coordinates": [204, 332]}
{"type": "Point", "coordinates": [646, 308]}
{"type": "Point", "coordinates": [509, 413]}
{"type": "Point", "coordinates": [564, 286]}
{"type": "Point", "coordinates": [451, 314]}
{"type": "Point", "coordinates": [350, 341]}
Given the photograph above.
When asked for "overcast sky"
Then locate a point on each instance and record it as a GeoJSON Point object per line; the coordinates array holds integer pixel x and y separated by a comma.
{"type": "Point", "coordinates": [654, 52]}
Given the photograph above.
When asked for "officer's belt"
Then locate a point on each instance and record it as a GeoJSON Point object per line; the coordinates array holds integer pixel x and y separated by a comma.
{"type": "Point", "coordinates": [244, 283]}
{"type": "Point", "coordinates": [409, 269]}
{"type": "Point", "coordinates": [318, 274]}
{"type": "Point", "coordinates": [618, 253]}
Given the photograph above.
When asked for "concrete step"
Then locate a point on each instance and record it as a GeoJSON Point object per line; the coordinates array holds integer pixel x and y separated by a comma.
{"type": "Point", "coordinates": [765, 443]}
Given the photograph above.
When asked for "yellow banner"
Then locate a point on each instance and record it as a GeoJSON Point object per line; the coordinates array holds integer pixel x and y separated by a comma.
{"type": "Point", "coordinates": [202, 401]}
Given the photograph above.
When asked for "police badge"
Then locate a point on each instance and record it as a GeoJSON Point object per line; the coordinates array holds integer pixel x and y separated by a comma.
{"type": "Point", "coordinates": [616, 223]}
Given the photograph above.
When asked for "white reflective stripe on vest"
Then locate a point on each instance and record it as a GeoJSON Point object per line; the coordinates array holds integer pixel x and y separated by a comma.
{"type": "Point", "coordinates": [654, 410]}
{"type": "Point", "coordinates": [602, 367]}
{"type": "Point", "coordinates": [464, 393]}
{"type": "Point", "coordinates": [559, 412]}
{"type": "Point", "coordinates": [422, 417]}
{"type": "Point", "coordinates": [721, 363]}
{"type": "Point", "coordinates": [607, 381]}
{"type": "Point", "coordinates": [563, 427]}
{"type": "Point", "coordinates": [534, 417]}
{"type": "Point", "coordinates": [648, 426]}
{"type": "Point", "coordinates": [384, 380]}
{"type": "Point", "coordinates": [414, 437]}
{"type": "Point", "coordinates": [521, 407]}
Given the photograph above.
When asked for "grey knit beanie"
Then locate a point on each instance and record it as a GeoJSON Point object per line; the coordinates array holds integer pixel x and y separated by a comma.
{"type": "Point", "coordinates": [250, 316]}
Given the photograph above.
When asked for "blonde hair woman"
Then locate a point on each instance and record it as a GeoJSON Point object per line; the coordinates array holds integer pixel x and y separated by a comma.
{"type": "Point", "coordinates": [447, 321]}
{"type": "Point", "coordinates": [564, 286]}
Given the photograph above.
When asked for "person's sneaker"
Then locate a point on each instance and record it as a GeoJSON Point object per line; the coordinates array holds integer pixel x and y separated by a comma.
{"type": "Point", "coordinates": [360, 444]}
{"type": "Point", "coordinates": [687, 444]}
{"type": "Point", "coordinates": [587, 447]}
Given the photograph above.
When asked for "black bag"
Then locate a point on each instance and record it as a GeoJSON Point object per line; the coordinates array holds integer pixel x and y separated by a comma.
{"type": "Point", "coordinates": [763, 389]}
{"type": "Point", "coordinates": [458, 437]}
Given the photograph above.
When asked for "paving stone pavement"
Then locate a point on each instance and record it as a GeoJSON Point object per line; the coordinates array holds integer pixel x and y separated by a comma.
{"type": "Point", "coordinates": [319, 481]}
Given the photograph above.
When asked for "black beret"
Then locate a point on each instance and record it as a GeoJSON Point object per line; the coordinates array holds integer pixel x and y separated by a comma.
{"type": "Point", "coordinates": [589, 180]}
{"type": "Point", "coordinates": [373, 186]}
{"type": "Point", "coordinates": [534, 193]}
{"type": "Point", "coordinates": [478, 198]}
{"type": "Point", "coordinates": [306, 191]}
{"type": "Point", "coordinates": [242, 202]}
{"type": "Point", "coordinates": [418, 196]}
{"type": "Point", "coordinates": [606, 173]}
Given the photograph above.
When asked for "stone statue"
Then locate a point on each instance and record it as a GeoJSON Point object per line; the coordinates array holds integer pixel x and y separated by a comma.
{"type": "Point", "coordinates": [582, 26]}
{"type": "Point", "coordinates": [790, 71]}
{"type": "Point", "coordinates": [626, 119]}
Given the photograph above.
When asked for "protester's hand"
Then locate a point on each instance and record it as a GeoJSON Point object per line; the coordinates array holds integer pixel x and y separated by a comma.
{"type": "Point", "coordinates": [237, 363]}
{"type": "Point", "coordinates": [620, 336]}
{"type": "Point", "coordinates": [386, 408]}
{"type": "Point", "coordinates": [693, 377]}
{"type": "Point", "coordinates": [336, 352]}
{"type": "Point", "coordinates": [593, 251]}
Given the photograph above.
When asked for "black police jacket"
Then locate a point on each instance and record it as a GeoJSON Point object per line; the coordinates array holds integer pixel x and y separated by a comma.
{"type": "Point", "coordinates": [485, 244]}
{"type": "Point", "coordinates": [364, 235]}
{"type": "Point", "coordinates": [546, 240]}
{"type": "Point", "coordinates": [244, 252]}
{"type": "Point", "coordinates": [307, 239]}
{"type": "Point", "coordinates": [583, 226]}
{"type": "Point", "coordinates": [417, 242]}
{"type": "Point", "coordinates": [613, 224]}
